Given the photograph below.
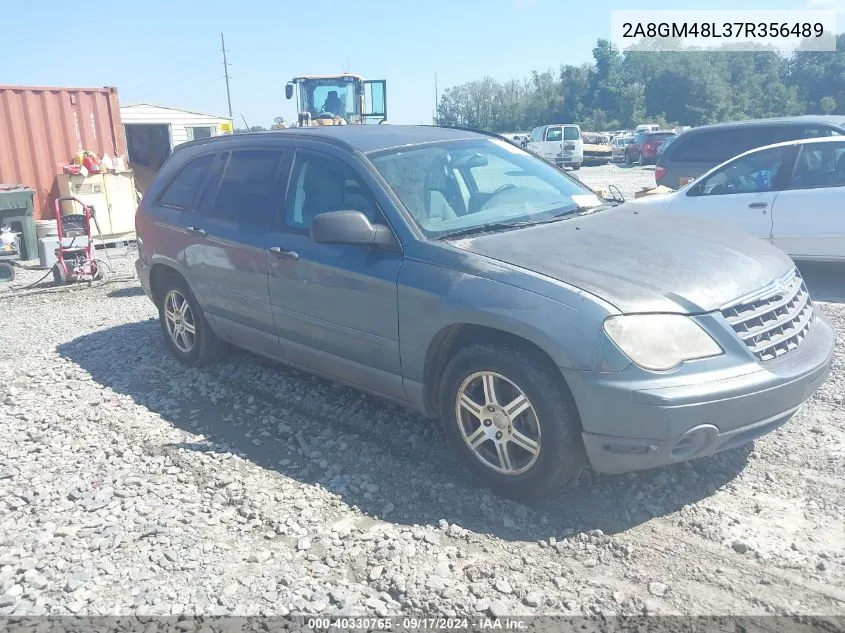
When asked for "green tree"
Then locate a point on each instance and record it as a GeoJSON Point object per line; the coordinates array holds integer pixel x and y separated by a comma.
{"type": "Point", "coordinates": [828, 104]}
{"type": "Point", "coordinates": [684, 86]}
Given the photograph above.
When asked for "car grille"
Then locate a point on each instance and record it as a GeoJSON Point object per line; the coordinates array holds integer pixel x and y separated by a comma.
{"type": "Point", "coordinates": [776, 323]}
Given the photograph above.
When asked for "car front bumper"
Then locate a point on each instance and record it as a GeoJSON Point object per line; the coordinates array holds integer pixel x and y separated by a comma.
{"type": "Point", "coordinates": [627, 428]}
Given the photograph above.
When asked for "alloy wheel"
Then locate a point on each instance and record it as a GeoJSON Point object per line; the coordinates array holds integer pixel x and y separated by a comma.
{"type": "Point", "coordinates": [498, 423]}
{"type": "Point", "coordinates": [180, 322]}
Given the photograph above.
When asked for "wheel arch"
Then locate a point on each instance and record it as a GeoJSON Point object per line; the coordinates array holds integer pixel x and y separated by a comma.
{"type": "Point", "coordinates": [450, 339]}
{"type": "Point", "coordinates": [159, 270]}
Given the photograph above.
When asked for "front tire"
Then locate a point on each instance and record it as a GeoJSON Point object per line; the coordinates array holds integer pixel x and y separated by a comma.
{"type": "Point", "coordinates": [512, 420]}
{"type": "Point", "coordinates": [186, 331]}
{"type": "Point", "coordinates": [576, 166]}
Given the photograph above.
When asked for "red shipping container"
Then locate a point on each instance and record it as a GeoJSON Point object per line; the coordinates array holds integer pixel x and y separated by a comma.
{"type": "Point", "coordinates": [42, 129]}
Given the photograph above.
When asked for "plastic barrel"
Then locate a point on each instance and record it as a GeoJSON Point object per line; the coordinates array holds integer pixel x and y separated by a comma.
{"type": "Point", "coordinates": [45, 228]}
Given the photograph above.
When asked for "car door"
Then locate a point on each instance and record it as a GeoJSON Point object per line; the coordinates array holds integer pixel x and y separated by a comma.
{"type": "Point", "coordinates": [552, 139]}
{"type": "Point", "coordinates": [741, 193]}
{"type": "Point", "coordinates": [808, 216]}
{"type": "Point", "coordinates": [335, 305]}
{"type": "Point", "coordinates": [535, 140]}
{"type": "Point", "coordinates": [229, 261]}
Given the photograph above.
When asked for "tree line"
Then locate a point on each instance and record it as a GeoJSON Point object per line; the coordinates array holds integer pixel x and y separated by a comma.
{"type": "Point", "coordinates": [684, 87]}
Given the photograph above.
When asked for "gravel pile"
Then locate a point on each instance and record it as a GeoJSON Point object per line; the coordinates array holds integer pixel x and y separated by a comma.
{"type": "Point", "coordinates": [132, 485]}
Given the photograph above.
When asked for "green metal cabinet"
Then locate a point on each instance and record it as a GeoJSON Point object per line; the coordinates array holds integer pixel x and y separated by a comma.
{"type": "Point", "coordinates": [16, 209]}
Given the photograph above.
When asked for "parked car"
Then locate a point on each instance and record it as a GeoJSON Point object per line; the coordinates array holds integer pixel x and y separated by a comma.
{"type": "Point", "coordinates": [559, 144]}
{"type": "Point", "coordinates": [700, 149]}
{"type": "Point", "coordinates": [597, 148]}
{"type": "Point", "coordinates": [789, 194]}
{"type": "Point", "coordinates": [455, 273]}
{"type": "Point", "coordinates": [662, 147]}
{"type": "Point", "coordinates": [643, 149]}
{"type": "Point", "coordinates": [618, 148]}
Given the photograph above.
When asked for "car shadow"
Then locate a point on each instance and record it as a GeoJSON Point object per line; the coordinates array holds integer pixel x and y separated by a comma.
{"type": "Point", "coordinates": [130, 291]}
{"type": "Point", "coordinates": [321, 433]}
{"type": "Point", "coordinates": [825, 280]}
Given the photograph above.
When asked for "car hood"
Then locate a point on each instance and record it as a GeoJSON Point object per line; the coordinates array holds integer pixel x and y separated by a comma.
{"type": "Point", "coordinates": [641, 259]}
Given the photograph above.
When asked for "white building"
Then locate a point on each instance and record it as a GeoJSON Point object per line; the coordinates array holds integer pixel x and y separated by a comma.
{"type": "Point", "coordinates": [153, 131]}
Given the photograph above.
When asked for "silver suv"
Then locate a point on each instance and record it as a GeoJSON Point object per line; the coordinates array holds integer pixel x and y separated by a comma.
{"type": "Point", "coordinates": [458, 274]}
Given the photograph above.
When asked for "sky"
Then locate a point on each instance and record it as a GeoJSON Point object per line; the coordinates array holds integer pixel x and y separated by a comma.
{"type": "Point", "coordinates": [169, 53]}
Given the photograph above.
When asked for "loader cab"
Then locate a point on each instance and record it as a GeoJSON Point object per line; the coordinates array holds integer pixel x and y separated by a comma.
{"type": "Point", "coordinates": [338, 99]}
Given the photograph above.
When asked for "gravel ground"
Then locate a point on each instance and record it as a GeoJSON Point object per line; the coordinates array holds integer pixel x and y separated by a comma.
{"type": "Point", "coordinates": [132, 485]}
{"type": "Point", "coordinates": [627, 178]}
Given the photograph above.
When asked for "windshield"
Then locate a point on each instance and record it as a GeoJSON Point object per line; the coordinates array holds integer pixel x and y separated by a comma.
{"type": "Point", "coordinates": [334, 96]}
{"type": "Point", "coordinates": [459, 185]}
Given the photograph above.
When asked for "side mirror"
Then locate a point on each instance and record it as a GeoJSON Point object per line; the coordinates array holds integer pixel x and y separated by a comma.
{"type": "Point", "coordinates": [351, 227]}
{"type": "Point", "coordinates": [289, 91]}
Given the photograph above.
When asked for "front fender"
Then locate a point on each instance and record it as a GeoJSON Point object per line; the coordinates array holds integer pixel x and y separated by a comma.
{"type": "Point", "coordinates": [432, 298]}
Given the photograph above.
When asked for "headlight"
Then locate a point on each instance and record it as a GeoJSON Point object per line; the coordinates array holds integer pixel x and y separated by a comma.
{"type": "Point", "coordinates": [660, 341]}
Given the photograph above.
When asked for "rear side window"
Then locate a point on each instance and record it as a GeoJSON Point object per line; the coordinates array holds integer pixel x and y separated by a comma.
{"type": "Point", "coordinates": [571, 134]}
{"type": "Point", "coordinates": [707, 147]}
{"type": "Point", "coordinates": [250, 188]}
{"type": "Point", "coordinates": [717, 146]}
{"type": "Point", "coordinates": [182, 192]}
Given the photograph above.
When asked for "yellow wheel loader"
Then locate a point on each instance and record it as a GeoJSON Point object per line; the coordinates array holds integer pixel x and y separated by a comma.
{"type": "Point", "coordinates": [338, 100]}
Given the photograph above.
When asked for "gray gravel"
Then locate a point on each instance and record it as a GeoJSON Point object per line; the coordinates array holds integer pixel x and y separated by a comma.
{"type": "Point", "coordinates": [132, 485]}
{"type": "Point", "coordinates": [628, 179]}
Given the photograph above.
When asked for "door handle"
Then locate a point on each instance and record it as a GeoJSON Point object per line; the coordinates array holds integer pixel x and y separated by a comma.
{"type": "Point", "coordinates": [281, 253]}
{"type": "Point", "coordinates": [195, 230]}
{"type": "Point", "coordinates": [758, 205]}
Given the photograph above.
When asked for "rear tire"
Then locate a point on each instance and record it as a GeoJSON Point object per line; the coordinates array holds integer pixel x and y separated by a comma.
{"type": "Point", "coordinates": [576, 167]}
{"type": "Point", "coordinates": [524, 449]}
{"type": "Point", "coordinates": [184, 326]}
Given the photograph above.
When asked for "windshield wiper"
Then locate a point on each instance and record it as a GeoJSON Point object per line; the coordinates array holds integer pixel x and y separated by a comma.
{"type": "Point", "coordinates": [571, 212]}
{"type": "Point", "coordinates": [609, 204]}
{"type": "Point", "coordinates": [483, 228]}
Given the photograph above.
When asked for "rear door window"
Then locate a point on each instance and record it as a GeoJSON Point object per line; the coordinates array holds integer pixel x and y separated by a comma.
{"type": "Point", "coordinates": [183, 192]}
{"type": "Point", "coordinates": [250, 189]}
{"type": "Point", "coordinates": [661, 136]}
{"type": "Point", "coordinates": [571, 133]}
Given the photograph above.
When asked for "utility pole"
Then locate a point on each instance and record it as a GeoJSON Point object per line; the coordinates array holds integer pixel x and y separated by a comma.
{"type": "Point", "coordinates": [226, 71]}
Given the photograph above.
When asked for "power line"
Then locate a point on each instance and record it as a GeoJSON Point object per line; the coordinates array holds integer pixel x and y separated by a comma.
{"type": "Point", "coordinates": [179, 69]}
{"type": "Point", "coordinates": [161, 90]}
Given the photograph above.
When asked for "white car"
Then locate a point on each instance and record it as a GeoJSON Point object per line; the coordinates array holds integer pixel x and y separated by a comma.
{"type": "Point", "coordinates": [790, 194]}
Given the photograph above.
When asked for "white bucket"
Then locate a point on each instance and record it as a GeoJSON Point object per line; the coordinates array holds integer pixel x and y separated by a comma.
{"type": "Point", "coordinates": [45, 228]}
